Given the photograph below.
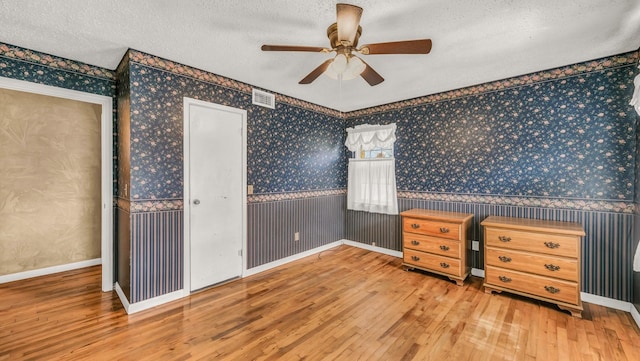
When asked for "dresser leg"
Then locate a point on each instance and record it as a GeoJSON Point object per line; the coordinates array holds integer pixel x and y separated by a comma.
{"type": "Point", "coordinates": [490, 290]}
{"type": "Point", "coordinates": [458, 282]}
{"type": "Point", "coordinates": [575, 312]}
{"type": "Point", "coordinates": [407, 268]}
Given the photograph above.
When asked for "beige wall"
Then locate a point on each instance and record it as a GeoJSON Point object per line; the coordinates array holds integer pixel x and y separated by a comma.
{"type": "Point", "coordinates": [49, 181]}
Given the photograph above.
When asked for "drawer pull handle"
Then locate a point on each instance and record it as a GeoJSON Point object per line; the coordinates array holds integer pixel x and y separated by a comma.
{"type": "Point", "coordinates": [505, 279]}
{"type": "Point", "coordinates": [415, 258]}
{"type": "Point", "coordinates": [552, 289]}
{"type": "Point", "coordinates": [415, 243]}
{"type": "Point", "coordinates": [444, 265]}
{"type": "Point", "coordinates": [552, 245]}
{"type": "Point", "coordinates": [552, 267]}
{"type": "Point", "coordinates": [444, 248]}
{"type": "Point", "coordinates": [415, 225]}
{"type": "Point", "coordinates": [505, 259]}
{"type": "Point", "coordinates": [444, 230]}
{"type": "Point", "coordinates": [504, 239]}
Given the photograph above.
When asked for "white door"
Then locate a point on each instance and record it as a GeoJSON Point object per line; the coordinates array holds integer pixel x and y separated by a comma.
{"type": "Point", "coordinates": [215, 192]}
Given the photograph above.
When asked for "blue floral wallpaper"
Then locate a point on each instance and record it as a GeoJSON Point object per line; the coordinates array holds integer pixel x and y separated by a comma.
{"type": "Point", "coordinates": [572, 137]}
{"type": "Point", "coordinates": [289, 149]}
{"type": "Point", "coordinates": [24, 64]}
{"type": "Point", "coordinates": [540, 142]}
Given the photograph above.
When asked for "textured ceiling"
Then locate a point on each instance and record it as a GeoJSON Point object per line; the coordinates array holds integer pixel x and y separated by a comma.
{"type": "Point", "coordinates": [474, 41]}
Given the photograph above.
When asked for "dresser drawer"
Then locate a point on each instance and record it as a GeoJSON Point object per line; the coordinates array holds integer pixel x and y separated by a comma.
{"type": "Point", "coordinates": [431, 228]}
{"type": "Point", "coordinates": [553, 244]}
{"type": "Point", "coordinates": [544, 265]}
{"type": "Point", "coordinates": [433, 262]}
{"type": "Point", "coordinates": [541, 286]}
{"type": "Point", "coordinates": [442, 246]}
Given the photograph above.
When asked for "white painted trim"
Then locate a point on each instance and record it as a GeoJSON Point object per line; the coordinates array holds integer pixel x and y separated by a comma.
{"type": "Point", "coordinates": [131, 308]}
{"type": "Point", "coordinates": [123, 298]}
{"type": "Point", "coordinates": [49, 270]}
{"type": "Point", "coordinates": [605, 301]}
{"type": "Point", "coordinates": [187, 102]}
{"type": "Point", "coordinates": [477, 272]}
{"type": "Point", "coordinates": [295, 257]}
{"type": "Point", "coordinates": [369, 247]}
{"type": "Point", "coordinates": [635, 314]}
{"type": "Point", "coordinates": [106, 126]}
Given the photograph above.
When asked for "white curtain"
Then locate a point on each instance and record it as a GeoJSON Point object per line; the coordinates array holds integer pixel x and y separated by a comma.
{"type": "Point", "coordinates": [372, 186]}
{"type": "Point", "coordinates": [635, 99]}
{"type": "Point", "coordinates": [367, 137]}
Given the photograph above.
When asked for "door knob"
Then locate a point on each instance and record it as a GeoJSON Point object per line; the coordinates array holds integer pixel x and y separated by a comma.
{"type": "Point", "coordinates": [196, 201]}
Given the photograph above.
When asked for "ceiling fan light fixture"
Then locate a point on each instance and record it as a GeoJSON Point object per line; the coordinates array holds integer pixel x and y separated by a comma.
{"type": "Point", "coordinates": [345, 68]}
{"type": "Point", "coordinates": [354, 68]}
{"type": "Point", "coordinates": [339, 64]}
{"type": "Point", "coordinates": [331, 73]}
{"type": "Point", "coordinates": [343, 36]}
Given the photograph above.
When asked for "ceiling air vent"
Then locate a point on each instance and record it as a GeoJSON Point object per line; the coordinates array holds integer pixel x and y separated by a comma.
{"type": "Point", "coordinates": [264, 99]}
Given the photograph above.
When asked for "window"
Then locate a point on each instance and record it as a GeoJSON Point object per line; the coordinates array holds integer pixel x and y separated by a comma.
{"type": "Point", "coordinates": [372, 176]}
{"type": "Point", "coordinates": [376, 153]}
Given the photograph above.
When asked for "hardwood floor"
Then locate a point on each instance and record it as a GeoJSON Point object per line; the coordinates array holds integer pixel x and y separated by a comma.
{"type": "Point", "coordinates": [343, 304]}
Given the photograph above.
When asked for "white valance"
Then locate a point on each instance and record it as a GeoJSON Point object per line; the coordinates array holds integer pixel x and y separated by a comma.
{"type": "Point", "coordinates": [367, 137]}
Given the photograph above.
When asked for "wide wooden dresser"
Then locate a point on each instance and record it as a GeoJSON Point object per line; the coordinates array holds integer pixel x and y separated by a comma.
{"type": "Point", "coordinates": [436, 241]}
{"type": "Point", "coordinates": [534, 258]}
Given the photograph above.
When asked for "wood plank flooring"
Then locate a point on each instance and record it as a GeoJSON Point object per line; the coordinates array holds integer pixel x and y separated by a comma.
{"type": "Point", "coordinates": [343, 304]}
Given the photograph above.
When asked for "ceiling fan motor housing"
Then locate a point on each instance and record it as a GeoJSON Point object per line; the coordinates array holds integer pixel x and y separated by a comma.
{"type": "Point", "coordinates": [332, 33]}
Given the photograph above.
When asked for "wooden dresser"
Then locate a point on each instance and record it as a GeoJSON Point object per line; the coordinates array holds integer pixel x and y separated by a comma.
{"type": "Point", "coordinates": [436, 241]}
{"type": "Point", "coordinates": [534, 258]}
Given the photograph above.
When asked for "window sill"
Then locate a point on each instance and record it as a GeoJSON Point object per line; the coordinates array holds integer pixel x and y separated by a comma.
{"type": "Point", "coordinates": [369, 159]}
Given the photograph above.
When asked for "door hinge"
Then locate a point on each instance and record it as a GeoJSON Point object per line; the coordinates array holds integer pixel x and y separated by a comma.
{"type": "Point", "coordinates": [240, 253]}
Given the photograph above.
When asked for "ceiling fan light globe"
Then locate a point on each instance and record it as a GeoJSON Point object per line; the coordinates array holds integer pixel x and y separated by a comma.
{"type": "Point", "coordinates": [354, 68]}
{"type": "Point", "coordinates": [348, 75]}
{"type": "Point", "coordinates": [339, 64]}
{"type": "Point", "coordinates": [331, 72]}
{"type": "Point", "coordinates": [357, 65]}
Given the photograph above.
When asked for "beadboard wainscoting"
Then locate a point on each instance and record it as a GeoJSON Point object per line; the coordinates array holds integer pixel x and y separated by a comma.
{"type": "Point", "coordinates": [156, 254]}
{"type": "Point", "coordinates": [123, 248]}
{"type": "Point", "coordinates": [606, 249]}
{"type": "Point", "coordinates": [272, 226]}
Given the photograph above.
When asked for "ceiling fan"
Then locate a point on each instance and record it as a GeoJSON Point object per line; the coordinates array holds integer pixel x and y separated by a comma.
{"type": "Point", "coordinates": [343, 37]}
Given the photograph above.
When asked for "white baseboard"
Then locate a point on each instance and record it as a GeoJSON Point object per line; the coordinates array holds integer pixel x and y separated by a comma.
{"type": "Point", "coordinates": [295, 257]}
{"type": "Point", "coordinates": [607, 302]}
{"type": "Point", "coordinates": [612, 303]}
{"type": "Point", "coordinates": [635, 314]}
{"type": "Point", "coordinates": [49, 270]}
{"type": "Point", "coordinates": [148, 303]}
{"type": "Point", "coordinates": [386, 251]}
{"type": "Point", "coordinates": [122, 297]}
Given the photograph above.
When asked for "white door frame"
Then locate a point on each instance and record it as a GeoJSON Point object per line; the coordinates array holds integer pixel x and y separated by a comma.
{"type": "Point", "coordinates": [106, 176]}
{"type": "Point", "coordinates": [186, 287]}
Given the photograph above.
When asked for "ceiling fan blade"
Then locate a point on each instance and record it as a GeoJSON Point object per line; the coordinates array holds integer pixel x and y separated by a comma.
{"type": "Point", "coordinates": [294, 48]}
{"type": "Point", "coordinates": [422, 46]}
{"type": "Point", "coordinates": [348, 20]}
{"type": "Point", "coordinates": [371, 76]}
{"type": "Point", "coordinates": [316, 72]}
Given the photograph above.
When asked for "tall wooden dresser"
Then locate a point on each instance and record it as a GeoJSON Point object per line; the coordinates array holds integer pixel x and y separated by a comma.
{"type": "Point", "coordinates": [534, 258]}
{"type": "Point", "coordinates": [436, 241]}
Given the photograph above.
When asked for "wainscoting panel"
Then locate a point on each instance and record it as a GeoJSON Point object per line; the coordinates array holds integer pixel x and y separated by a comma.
{"type": "Point", "coordinates": [271, 227]}
{"type": "Point", "coordinates": [122, 253]}
{"type": "Point", "coordinates": [382, 229]}
{"type": "Point", "coordinates": [606, 249]}
{"type": "Point", "coordinates": [156, 254]}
